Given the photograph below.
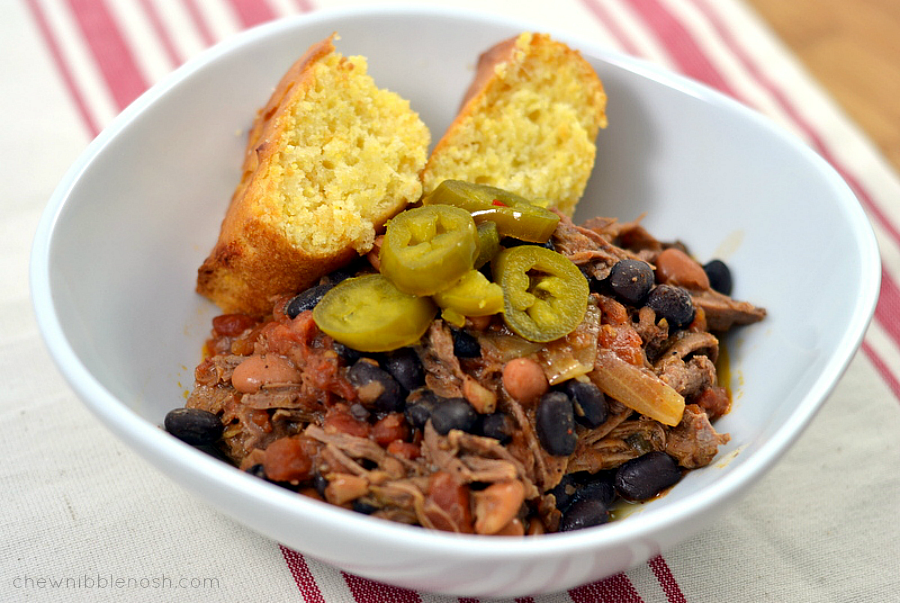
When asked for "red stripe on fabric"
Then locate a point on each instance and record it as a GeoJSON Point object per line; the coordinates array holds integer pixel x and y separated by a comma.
{"type": "Point", "coordinates": [883, 369]}
{"type": "Point", "coordinates": [161, 32]}
{"type": "Point", "coordinates": [888, 306]}
{"type": "Point", "coordinates": [369, 591]}
{"type": "Point", "coordinates": [687, 55]}
{"type": "Point", "coordinates": [252, 12]}
{"type": "Point", "coordinates": [600, 11]}
{"type": "Point", "coordinates": [62, 66]}
{"type": "Point", "coordinates": [306, 582]}
{"type": "Point", "coordinates": [615, 589]}
{"type": "Point", "coordinates": [666, 580]}
{"type": "Point", "coordinates": [525, 600]}
{"type": "Point", "coordinates": [111, 52]}
{"type": "Point", "coordinates": [199, 22]}
{"type": "Point", "coordinates": [468, 600]}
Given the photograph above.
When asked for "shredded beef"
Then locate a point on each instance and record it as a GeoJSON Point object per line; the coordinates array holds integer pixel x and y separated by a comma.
{"type": "Point", "coordinates": [694, 442]}
{"type": "Point", "coordinates": [587, 249]}
{"type": "Point", "coordinates": [628, 440]}
{"type": "Point", "coordinates": [722, 312]}
{"type": "Point", "coordinates": [397, 466]}
{"type": "Point", "coordinates": [443, 374]}
{"type": "Point", "coordinates": [687, 378]}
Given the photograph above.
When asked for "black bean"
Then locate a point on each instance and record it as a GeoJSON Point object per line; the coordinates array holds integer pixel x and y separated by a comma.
{"type": "Point", "coordinates": [672, 303]}
{"type": "Point", "coordinates": [406, 367]}
{"type": "Point", "coordinates": [631, 281]}
{"type": "Point", "coordinates": [361, 506]}
{"type": "Point", "coordinates": [257, 470]}
{"type": "Point", "coordinates": [591, 407]}
{"type": "Point", "coordinates": [376, 387]}
{"type": "Point", "coordinates": [513, 242]}
{"type": "Point", "coordinates": [583, 485]}
{"type": "Point", "coordinates": [307, 299]}
{"type": "Point", "coordinates": [348, 354]}
{"type": "Point", "coordinates": [564, 491]}
{"type": "Point", "coordinates": [453, 413]}
{"type": "Point", "coordinates": [345, 272]}
{"type": "Point", "coordinates": [599, 489]}
{"type": "Point", "coordinates": [359, 412]}
{"type": "Point", "coordinates": [555, 422]}
{"type": "Point", "coordinates": [595, 284]}
{"type": "Point", "coordinates": [646, 476]}
{"type": "Point", "coordinates": [418, 410]}
{"type": "Point", "coordinates": [584, 513]}
{"type": "Point", "coordinates": [320, 483]}
{"type": "Point", "coordinates": [214, 451]}
{"type": "Point", "coordinates": [719, 276]}
{"type": "Point", "coordinates": [465, 345]}
{"type": "Point", "coordinates": [194, 426]}
{"type": "Point", "coordinates": [498, 425]}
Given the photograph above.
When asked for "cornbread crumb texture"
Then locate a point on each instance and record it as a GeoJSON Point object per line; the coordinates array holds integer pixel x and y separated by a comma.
{"type": "Point", "coordinates": [346, 161]}
{"type": "Point", "coordinates": [329, 160]}
{"type": "Point", "coordinates": [529, 124]}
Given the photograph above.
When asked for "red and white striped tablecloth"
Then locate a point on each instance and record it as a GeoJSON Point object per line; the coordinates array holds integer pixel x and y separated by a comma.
{"type": "Point", "coordinates": [84, 519]}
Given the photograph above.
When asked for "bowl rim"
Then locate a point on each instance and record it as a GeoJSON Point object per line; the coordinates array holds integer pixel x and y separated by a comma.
{"type": "Point", "coordinates": [151, 441]}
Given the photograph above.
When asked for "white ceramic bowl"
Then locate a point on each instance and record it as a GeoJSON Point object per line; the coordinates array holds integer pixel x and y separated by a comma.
{"type": "Point", "coordinates": [116, 254]}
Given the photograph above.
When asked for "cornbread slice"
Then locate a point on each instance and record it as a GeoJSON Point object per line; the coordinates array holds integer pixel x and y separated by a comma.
{"type": "Point", "coordinates": [329, 160]}
{"type": "Point", "coordinates": [528, 123]}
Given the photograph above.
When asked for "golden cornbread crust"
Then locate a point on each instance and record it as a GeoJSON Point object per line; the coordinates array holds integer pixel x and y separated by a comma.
{"type": "Point", "coordinates": [329, 160]}
{"type": "Point", "coordinates": [528, 123]}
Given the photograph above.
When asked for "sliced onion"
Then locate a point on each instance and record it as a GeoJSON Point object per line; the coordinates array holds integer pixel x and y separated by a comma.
{"type": "Point", "coordinates": [573, 355]}
{"type": "Point", "coordinates": [506, 346]}
{"type": "Point", "coordinates": [639, 391]}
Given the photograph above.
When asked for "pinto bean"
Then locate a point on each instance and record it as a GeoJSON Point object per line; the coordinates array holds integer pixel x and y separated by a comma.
{"type": "Point", "coordinates": [497, 505]}
{"type": "Point", "coordinates": [675, 267]}
{"type": "Point", "coordinates": [259, 371]}
{"type": "Point", "coordinates": [524, 380]}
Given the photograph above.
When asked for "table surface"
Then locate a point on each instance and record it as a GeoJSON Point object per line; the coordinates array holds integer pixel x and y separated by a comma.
{"type": "Point", "coordinates": [85, 519]}
{"type": "Point", "coordinates": [851, 49]}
